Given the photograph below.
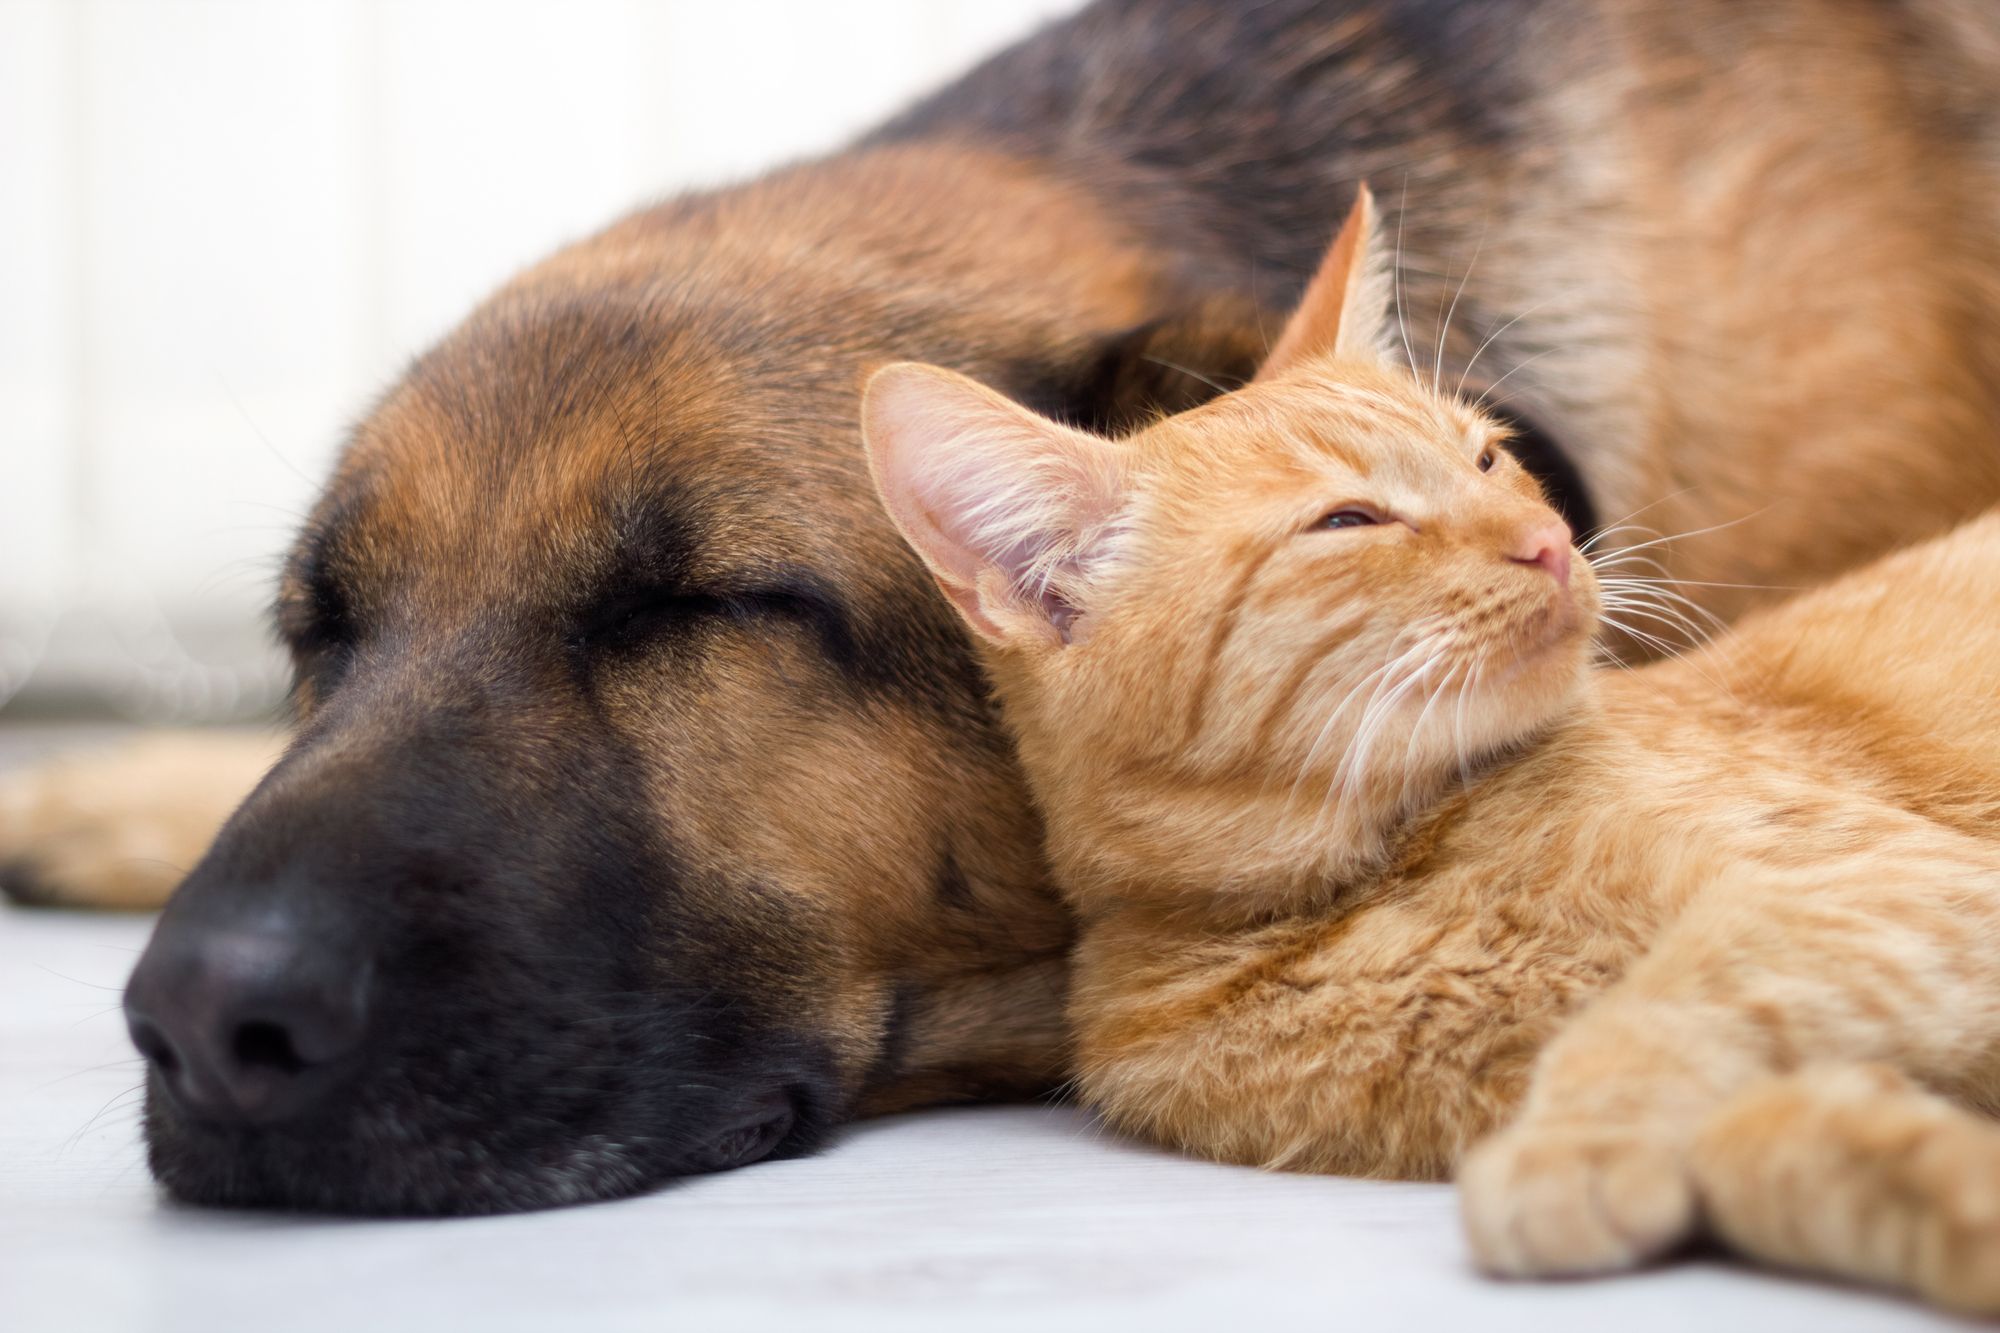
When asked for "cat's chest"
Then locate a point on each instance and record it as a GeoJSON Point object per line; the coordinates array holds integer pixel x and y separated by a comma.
{"type": "Point", "coordinates": [1481, 935]}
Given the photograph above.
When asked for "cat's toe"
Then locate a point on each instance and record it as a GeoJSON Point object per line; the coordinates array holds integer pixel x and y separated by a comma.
{"type": "Point", "coordinates": [1956, 1249]}
{"type": "Point", "coordinates": [1561, 1200]}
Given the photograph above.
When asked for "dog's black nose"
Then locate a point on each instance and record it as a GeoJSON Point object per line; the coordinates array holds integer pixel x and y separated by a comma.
{"type": "Point", "coordinates": [246, 1025]}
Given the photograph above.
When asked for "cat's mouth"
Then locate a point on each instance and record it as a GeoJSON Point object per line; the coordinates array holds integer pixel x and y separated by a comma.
{"type": "Point", "coordinates": [1545, 633]}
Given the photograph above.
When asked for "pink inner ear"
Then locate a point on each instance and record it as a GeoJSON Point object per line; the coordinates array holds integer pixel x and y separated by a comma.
{"type": "Point", "coordinates": [1060, 613]}
{"type": "Point", "coordinates": [986, 491]}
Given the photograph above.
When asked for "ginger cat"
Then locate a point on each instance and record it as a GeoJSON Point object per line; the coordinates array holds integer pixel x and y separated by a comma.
{"type": "Point", "coordinates": [1380, 873]}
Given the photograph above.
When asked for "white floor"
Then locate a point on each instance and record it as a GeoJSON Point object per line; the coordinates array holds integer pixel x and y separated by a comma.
{"type": "Point", "coordinates": [1015, 1217]}
{"type": "Point", "coordinates": [1006, 1217]}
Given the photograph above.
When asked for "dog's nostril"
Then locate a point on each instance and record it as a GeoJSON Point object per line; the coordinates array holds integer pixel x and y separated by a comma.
{"type": "Point", "coordinates": [247, 1026]}
{"type": "Point", "coordinates": [265, 1046]}
{"type": "Point", "coordinates": [155, 1048]}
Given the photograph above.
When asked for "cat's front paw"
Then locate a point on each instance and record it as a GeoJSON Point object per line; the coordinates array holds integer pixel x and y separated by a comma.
{"type": "Point", "coordinates": [1551, 1200]}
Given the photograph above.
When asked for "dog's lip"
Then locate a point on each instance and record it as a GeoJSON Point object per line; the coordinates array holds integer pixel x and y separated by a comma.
{"type": "Point", "coordinates": [779, 1112]}
{"type": "Point", "coordinates": [753, 1135]}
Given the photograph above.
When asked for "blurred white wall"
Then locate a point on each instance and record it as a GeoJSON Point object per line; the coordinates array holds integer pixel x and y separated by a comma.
{"type": "Point", "coordinates": [225, 224]}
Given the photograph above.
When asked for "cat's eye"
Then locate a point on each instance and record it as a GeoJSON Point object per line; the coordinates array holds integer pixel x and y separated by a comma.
{"type": "Point", "coordinates": [1487, 458]}
{"type": "Point", "coordinates": [1349, 518]}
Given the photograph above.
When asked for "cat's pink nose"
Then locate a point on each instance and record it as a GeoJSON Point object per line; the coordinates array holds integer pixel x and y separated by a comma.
{"type": "Point", "coordinates": [1547, 546]}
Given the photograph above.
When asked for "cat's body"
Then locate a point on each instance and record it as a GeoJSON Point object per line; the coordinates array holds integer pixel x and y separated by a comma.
{"type": "Point", "coordinates": [1378, 874]}
{"type": "Point", "coordinates": [1382, 1031]}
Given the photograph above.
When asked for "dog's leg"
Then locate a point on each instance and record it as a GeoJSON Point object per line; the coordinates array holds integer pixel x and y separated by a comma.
{"type": "Point", "coordinates": [119, 828]}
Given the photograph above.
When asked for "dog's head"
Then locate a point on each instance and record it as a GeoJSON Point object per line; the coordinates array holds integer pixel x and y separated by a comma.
{"type": "Point", "coordinates": [647, 813]}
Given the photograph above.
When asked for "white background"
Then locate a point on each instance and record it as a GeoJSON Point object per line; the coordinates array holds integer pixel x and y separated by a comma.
{"type": "Point", "coordinates": [225, 224]}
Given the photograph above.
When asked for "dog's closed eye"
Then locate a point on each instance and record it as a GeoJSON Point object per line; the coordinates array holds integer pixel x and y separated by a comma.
{"type": "Point", "coordinates": [316, 620]}
{"type": "Point", "coordinates": [628, 618]}
{"type": "Point", "coordinates": [632, 618]}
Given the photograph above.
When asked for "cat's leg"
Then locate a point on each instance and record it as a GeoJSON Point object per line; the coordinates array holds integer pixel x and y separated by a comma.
{"type": "Point", "coordinates": [119, 828]}
{"type": "Point", "coordinates": [1854, 1170]}
{"type": "Point", "coordinates": [1892, 956]}
{"type": "Point", "coordinates": [1305, 1044]}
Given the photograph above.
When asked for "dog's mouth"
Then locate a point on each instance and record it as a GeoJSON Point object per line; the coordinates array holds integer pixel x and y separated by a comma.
{"type": "Point", "coordinates": [764, 1126]}
{"type": "Point", "coordinates": [401, 1157]}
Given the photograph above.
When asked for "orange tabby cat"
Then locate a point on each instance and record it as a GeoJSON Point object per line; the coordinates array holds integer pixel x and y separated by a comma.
{"type": "Point", "coordinates": [1375, 865]}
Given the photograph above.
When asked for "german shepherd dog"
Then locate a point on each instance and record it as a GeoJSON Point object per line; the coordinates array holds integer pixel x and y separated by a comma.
{"type": "Point", "coordinates": [646, 812]}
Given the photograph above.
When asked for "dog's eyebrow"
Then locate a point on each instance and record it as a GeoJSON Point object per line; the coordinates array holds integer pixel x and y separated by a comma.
{"type": "Point", "coordinates": [653, 541]}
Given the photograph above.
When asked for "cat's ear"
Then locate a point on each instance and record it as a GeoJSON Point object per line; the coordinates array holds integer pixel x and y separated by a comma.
{"type": "Point", "coordinates": [1345, 312]}
{"type": "Point", "coordinates": [1008, 508]}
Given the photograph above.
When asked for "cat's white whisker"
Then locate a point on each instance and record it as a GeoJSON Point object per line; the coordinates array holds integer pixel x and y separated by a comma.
{"type": "Point", "coordinates": [1691, 638]}
{"type": "Point", "coordinates": [1381, 677]}
{"type": "Point", "coordinates": [1705, 583]}
{"type": "Point", "coordinates": [1444, 324]}
{"type": "Point", "coordinates": [1385, 681]}
{"type": "Point", "coordinates": [1687, 605]}
{"type": "Point", "coordinates": [1624, 523]}
{"type": "Point", "coordinates": [1327, 728]}
{"type": "Point", "coordinates": [1697, 532]}
{"type": "Point", "coordinates": [1465, 692]}
{"type": "Point", "coordinates": [1486, 395]}
{"type": "Point", "coordinates": [1610, 530]}
{"type": "Point", "coordinates": [1648, 613]}
{"type": "Point", "coordinates": [1698, 621]}
{"type": "Point", "coordinates": [1185, 370]}
{"type": "Point", "coordinates": [1402, 325]}
{"type": "Point", "coordinates": [1669, 649]}
{"type": "Point", "coordinates": [1481, 351]}
{"type": "Point", "coordinates": [1604, 561]}
{"type": "Point", "coordinates": [1678, 652]}
{"type": "Point", "coordinates": [1354, 763]}
{"type": "Point", "coordinates": [1410, 755]}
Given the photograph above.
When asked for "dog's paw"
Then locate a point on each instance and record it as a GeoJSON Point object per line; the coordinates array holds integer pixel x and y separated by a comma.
{"type": "Point", "coordinates": [118, 828]}
{"type": "Point", "coordinates": [1554, 1200]}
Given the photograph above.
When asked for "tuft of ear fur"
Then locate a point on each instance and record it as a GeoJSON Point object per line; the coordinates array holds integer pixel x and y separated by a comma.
{"type": "Point", "coordinates": [1009, 510]}
{"type": "Point", "coordinates": [1345, 312]}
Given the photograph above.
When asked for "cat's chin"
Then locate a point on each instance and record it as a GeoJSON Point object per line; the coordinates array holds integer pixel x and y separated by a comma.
{"type": "Point", "coordinates": [1542, 668]}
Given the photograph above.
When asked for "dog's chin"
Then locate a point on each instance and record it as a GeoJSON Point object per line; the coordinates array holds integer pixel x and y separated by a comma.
{"type": "Point", "coordinates": [271, 1170]}
{"type": "Point", "coordinates": [380, 1168]}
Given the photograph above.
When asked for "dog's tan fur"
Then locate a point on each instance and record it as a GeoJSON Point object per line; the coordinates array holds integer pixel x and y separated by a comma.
{"type": "Point", "coordinates": [1372, 863]}
{"type": "Point", "coordinates": [1738, 260]}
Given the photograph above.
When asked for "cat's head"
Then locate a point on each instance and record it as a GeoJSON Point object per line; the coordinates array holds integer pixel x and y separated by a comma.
{"type": "Point", "coordinates": [1241, 645]}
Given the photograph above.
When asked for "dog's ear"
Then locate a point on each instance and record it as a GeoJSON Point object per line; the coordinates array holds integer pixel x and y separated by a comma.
{"type": "Point", "coordinates": [1008, 509]}
{"type": "Point", "coordinates": [1345, 312]}
{"type": "Point", "coordinates": [1159, 368]}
